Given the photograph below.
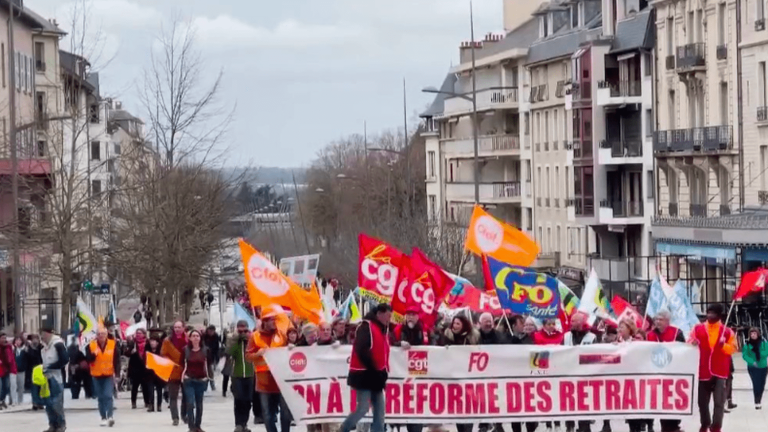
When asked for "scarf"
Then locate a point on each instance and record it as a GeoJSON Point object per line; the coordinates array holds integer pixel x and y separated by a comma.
{"type": "Point", "coordinates": [179, 342]}
{"type": "Point", "coordinates": [141, 344]}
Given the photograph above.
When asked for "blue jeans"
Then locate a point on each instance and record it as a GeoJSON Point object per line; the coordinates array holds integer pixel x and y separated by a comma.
{"type": "Point", "coordinates": [270, 403]}
{"type": "Point", "coordinates": [366, 399]}
{"type": "Point", "coordinates": [54, 405]}
{"type": "Point", "coordinates": [5, 387]}
{"type": "Point", "coordinates": [103, 389]}
{"type": "Point", "coordinates": [194, 390]}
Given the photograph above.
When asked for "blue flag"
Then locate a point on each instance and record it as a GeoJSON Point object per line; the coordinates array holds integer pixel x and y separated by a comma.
{"type": "Point", "coordinates": [242, 314]}
{"type": "Point", "coordinates": [524, 291]}
{"type": "Point", "coordinates": [683, 315]}
{"type": "Point", "coordinates": [657, 300]}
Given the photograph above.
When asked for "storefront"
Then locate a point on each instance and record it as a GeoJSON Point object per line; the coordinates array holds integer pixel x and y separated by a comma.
{"type": "Point", "coordinates": [710, 268]}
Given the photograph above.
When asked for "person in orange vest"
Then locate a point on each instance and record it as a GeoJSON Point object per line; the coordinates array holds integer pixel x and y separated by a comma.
{"type": "Point", "coordinates": [173, 349]}
{"type": "Point", "coordinates": [369, 368]}
{"type": "Point", "coordinates": [716, 344]}
{"type": "Point", "coordinates": [104, 359]}
{"type": "Point", "coordinates": [269, 336]}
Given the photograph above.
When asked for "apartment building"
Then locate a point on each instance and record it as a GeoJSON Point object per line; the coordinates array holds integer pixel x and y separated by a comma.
{"type": "Point", "coordinates": [503, 139]}
{"type": "Point", "coordinates": [707, 168]}
{"type": "Point", "coordinates": [34, 168]}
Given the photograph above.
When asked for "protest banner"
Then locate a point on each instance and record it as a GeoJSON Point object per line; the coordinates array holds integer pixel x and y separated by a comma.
{"type": "Point", "coordinates": [498, 384]}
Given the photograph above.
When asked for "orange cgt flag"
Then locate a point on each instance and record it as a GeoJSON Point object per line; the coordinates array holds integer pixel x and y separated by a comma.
{"type": "Point", "coordinates": [488, 236]}
{"type": "Point", "coordinates": [267, 285]}
{"type": "Point", "coordinates": [160, 365]}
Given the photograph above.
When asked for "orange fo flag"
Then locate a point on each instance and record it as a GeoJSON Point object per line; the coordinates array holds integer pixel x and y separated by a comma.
{"type": "Point", "coordinates": [161, 366]}
{"type": "Point", "coordinates": [267, 285]}
{"type": "Point", "coordinates": [488, 236]}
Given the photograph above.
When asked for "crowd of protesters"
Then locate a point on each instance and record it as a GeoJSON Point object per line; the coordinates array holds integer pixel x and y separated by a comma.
{"type": "Point", "coordinates": [96, 367]}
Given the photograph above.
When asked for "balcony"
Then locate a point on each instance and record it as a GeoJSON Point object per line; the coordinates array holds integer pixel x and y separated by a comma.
{"type": "Point", "coordinates": [617, 151]}
{"type": "Point", "coordinates": [490, 192]}
{"type": "Point", "coordinates": [547, 260]}
{"type": "Point", "coordinates": [619, 93]}
{"type": "Point", "coordinates": [702, 139]}
{"type": "Point", "coordinates": [621, 212]}
{"type": "Point", "coordinates": [560, 91]}
{"type": "Point", "coordinates": [488, 146]}
{"type": "Point", "coordinates": [487, 99]}
{"type": "Point", "coordinates": [722, 52]}
{"type": "Point", "coordinates": [585, 206]}
{"type": "Point", "coordinates": [691, 57]}
{"type": "Point", "coordinates": [760, 24]}
{"type": "Point", "coordinates": [670, 62]}
{"type": "Point", "coordinates": [32, 159]}
{"type": "Point", "coordinates": [762, 197]}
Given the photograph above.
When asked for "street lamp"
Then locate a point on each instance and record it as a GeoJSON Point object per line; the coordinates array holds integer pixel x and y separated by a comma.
{"type": "Point", "coordinates": [472, 99]}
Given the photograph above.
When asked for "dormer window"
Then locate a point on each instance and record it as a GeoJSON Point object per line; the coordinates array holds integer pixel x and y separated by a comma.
{"type": "Point", "coordinates": [574, 16]}
{"type": "Point", "coordinates": [543, 27]}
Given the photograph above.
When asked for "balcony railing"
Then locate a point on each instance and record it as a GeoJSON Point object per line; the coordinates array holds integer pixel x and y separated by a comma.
{"type": "Point", "coordinates": [624, 208]}
{"type": "Point", "coordinates": [691, 56]}
{"type": "Point", "coordinates": [622, 88]}
{"type": "Point", "coordinates": [709, 138]}
{"type": "Point", "coordinates": [623, 148]}
{"type": "Point", "coordinates": [722, 52]}
{"type": "Point", "coordinates": [762, 113]}
{"type": "Point", "coordinates": [534, 96]}
{"type": "Point", "coordinates": [585, 206]}
{"type": "Point", "coordinates": [570, 202]}
{"type": "Point", "coordinates": [506, 96]}
{"type": "Point", "coordinates": [581, 91]}
{"type": "Point", "coordinates": [546, 146]}
{"type": "Point", "coordinates": [543, 94]}
{"type": "Point", "coordinates": [506, 189]}
{"type": "Point", "coordinates": [499, 143]}
{"type": "Point", "coordinates": [560, 91]}
{"type": "Point", "coordinates": [760, 24]}
{"type": "Point", "coordinates": [670, 62]}
{"type": "Point", "coordinates": [762, 197]}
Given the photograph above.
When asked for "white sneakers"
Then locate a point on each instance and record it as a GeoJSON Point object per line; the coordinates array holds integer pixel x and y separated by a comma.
{"type": "Point", "coordinates": [107, 422]}
{"type": "Point", "coordinates": [103, 422]}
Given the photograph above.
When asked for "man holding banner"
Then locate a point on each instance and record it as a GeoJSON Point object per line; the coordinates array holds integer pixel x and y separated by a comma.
{"type": "Point", "coordinates": [369, 368]}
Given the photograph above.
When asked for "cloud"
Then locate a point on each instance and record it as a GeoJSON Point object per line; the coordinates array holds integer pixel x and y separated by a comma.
{"type": "Point", "coordinates": [227, 31]}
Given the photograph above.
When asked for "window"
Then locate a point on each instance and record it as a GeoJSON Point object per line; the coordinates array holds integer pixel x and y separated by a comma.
{"type": "Point", "coordinates": [554, 125]}
{"type": "Point", "coordinates": [721, 22]}
{"type": "Point", "coordinates": [41, 148]}
{"type": "Point", "coordinates": [549, 239]}
{"type": "Point", "coordinates": [651, 189]}
{"type": "Point", "coordinates": [431, 168]}
{"type": "Point", "coordinates": [670, 36]}
{"type": "Point", "coordinates": [546, 126]}
{"type": "Point", "coordinates": [761, 83]}
{"type": "Point", "coordinates": [648, 64]}
{"type": "Point", "coordinates": [672, 112]}
{"type": "Point", "coordinates": [648, 123]}
{"type": "Point", "coordinates": [95, 150]}
{"type": "Point", "coordinates": [723, 103]}
{"type": "Point", "coordinates": [24, 73]}
{"type": "Point", "coordinates": [548, 189]}
{"type": "Point", "coordinates": [759, 10]}
{"type": "Point", "coordinates": [95, 188]}
{"type": "Point", "coordinates": [574, 16]}
{"type": "Point", "coordinates": [432, 207]}
{"type": "Point", "coordinates": [2, 53]}
{"type": "Point", "coordinates": [17, 70]}
{"type": "Point", "coordinates": [556, 189]}
{"type": "Point", "coordinates": [538, 181]}
{"type": "Point", "coordinates": [117, 149]}
{"type": "Point", "coordinates": [763, 166]}
{"type": "Point", "coordinates": [39, 56]}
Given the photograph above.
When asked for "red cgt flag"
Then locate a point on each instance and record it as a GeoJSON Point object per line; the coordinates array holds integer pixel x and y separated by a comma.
{"type": "Point", "coordinates": [378, 268]}
{"type": "Point", "coordinates": [624, 310]}
{"type": "Point", "coordinates": [751, 282]}
{"type": "Point", "coordinates": [422, 283]}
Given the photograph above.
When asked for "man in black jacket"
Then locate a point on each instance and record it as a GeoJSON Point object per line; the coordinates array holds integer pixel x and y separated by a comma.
{"type": "Point", "coordinates": [369, 368]}
{"type": "Point", "coordinates": [212, 342]}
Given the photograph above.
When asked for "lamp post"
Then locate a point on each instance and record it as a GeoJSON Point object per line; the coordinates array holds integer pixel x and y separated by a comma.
{"type": "Point", "coordinates": [472, 99]}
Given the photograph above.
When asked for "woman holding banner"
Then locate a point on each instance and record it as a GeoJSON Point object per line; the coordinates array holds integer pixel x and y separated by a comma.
{"type": "Point", "coordinates": [461, 332]}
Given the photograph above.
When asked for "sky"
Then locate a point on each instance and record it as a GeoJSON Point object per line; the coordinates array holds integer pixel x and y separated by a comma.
{"type": "Point", "coordinates": [299, 73]}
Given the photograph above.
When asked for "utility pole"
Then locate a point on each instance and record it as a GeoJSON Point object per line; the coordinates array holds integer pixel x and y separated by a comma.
{"type": "Point", "coordinates": [407, 154]}
{"type": "Point", "coordinates": [474, 105]}
{"type": "Point", "coordinates": [301, 214]}
{"type": "Point", "coordinates": [16, 261]}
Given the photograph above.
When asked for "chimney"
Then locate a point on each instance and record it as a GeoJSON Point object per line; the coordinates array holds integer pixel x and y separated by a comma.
{"type": "Point", "coordinates": [492, 39]}
{"type": "Point", "coordinates": [465, 51]}
{"type": "Point", "coordinates": [118, 105]}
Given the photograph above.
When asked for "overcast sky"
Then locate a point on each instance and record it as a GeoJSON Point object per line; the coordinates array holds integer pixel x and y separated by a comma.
{"type": "Point", "coordinates": [301, 72]}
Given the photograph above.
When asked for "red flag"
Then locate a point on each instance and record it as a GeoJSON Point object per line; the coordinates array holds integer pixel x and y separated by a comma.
{"type": "Point", "coordinates": [378, 268]}
{"type": "Point", "coordinates": [422, 283]}
{"type": "Point", "coordinates": [476, 300]}
{"type": "Point", "coordinates": [624, 310]}
{"type": "Point", "coordinates": [751, 282]}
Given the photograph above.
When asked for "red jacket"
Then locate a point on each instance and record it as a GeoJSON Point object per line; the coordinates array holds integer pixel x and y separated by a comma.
{"type": "Point", "coordinates": [671, 334]}
{"type": "Point", "coordinates": [541, 337]}
{"type": "Point", "coordinates": [7, 360]}
{"type": "Point", "coordinates": [379, 351]}
{"type": "Point", "coordinates": [713, 362]}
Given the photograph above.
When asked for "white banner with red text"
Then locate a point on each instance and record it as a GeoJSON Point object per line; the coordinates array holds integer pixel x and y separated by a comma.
{"type": "Point", "coordinates": [498, 383]}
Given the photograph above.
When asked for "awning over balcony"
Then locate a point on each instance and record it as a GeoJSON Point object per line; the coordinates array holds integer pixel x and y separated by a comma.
{"type": "Point", "coordinates": [26, 167]}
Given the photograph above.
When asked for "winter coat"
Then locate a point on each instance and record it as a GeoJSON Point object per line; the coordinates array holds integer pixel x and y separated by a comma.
{"type": "Point", "coordinates": [469, 335]}
{"type": "Point", "coordinates": [7, 361]}
{"type": "Point", "coordinates": [241, 368]}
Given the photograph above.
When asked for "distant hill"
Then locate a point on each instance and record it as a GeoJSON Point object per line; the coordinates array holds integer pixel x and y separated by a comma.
{"type": "Point", "coordinates": [265, 175]}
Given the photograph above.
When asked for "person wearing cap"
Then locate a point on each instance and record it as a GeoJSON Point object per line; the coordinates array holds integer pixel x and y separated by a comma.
{"type": "Point", "coordinates": [716, 343]}
{"type": "Point", "coordinates": [55, 359]}
{"type": "Point", "coordinates": [269, 394]}
{"type": "Point", "coordinates": [242, 375]}
{"type": "Point", "coordinates": [104, 360]}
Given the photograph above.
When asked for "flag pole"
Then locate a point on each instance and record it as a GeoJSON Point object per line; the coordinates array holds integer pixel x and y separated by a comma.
{"type": "Point", "coordinates": [730, 309]}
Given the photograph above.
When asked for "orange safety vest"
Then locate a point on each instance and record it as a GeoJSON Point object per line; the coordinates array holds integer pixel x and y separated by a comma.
{"type": "Point", "coordinates": [104, 365]}
{"type": "Point", "coordinates": [278, 340]}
